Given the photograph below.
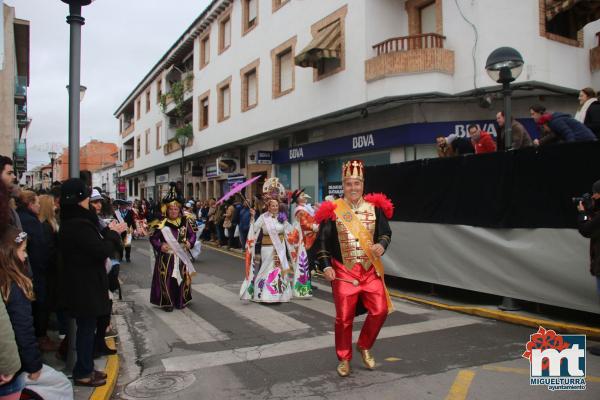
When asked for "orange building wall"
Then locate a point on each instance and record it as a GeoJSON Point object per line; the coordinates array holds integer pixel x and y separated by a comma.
{"type": "Point", "coordinates": [92, 156]}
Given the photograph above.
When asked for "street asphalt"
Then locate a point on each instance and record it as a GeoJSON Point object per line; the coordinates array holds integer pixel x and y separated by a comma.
{"type": "Point", "coordinates": [224, 348]}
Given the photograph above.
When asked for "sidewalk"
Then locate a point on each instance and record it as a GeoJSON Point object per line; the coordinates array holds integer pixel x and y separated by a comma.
{"type": "Point", "coordinates": [108, 364]}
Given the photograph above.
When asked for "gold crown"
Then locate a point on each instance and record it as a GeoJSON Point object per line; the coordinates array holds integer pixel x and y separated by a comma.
{"type": "Point", "coordinates": [353, 169]}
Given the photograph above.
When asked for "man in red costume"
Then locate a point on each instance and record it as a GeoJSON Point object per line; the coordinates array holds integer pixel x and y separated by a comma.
{"type": "Point", "coordinates": [354, 233]}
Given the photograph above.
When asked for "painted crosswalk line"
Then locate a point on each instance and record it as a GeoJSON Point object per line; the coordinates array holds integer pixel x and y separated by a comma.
{"type": "Point", "coordinates": [190, 327]}
{"type": "Point", "coordinates": [218, 358]}
{"type": "Point", "coordinates": [264, 316]}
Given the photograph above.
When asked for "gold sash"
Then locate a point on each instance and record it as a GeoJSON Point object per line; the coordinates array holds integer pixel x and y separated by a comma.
{"type": "Point", "coordinates": [359, 231]}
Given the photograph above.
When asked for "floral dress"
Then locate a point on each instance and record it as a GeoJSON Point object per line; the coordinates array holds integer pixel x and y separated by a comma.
{"type": "Point", "coordinates": [268, 278]}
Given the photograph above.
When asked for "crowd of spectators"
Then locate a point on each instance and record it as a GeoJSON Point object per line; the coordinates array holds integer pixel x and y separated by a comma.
{"type": "Point", "coordinates": [553, 128]}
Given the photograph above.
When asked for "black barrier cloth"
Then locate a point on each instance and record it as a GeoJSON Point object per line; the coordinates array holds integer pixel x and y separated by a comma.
{"type": "Point", "coordinates": [528, 188]}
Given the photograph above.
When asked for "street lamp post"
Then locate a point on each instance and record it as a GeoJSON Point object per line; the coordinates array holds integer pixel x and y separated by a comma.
{"type": "Point", "coordinates": [75, 20]}
{"type": "Point", "coordinates": [183, 142]}
{"type": "Point", "coordinates": [504, 65]}
{"type": "Point", "coordinates": [52, 155]}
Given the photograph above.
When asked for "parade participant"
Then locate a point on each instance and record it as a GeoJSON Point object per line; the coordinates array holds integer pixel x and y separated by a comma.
{"type": "Point", "coordinates": [304, 223]}
{"type": "Point", "coordinates": [354, 234]}
{"type": "Point", "coordinates": [172, 239]}
{"type": "Point", "coordinates": [141, 229]}
{"type": "Point", "coordinates": [271, 283]}
{"type": "Point", "coordinates": [124, 214]}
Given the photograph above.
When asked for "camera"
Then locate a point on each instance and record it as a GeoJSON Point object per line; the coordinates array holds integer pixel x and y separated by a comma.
{"type": "Point", "coordinates": [586, 199]}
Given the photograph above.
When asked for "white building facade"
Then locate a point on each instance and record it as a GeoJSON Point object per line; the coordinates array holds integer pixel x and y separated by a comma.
{"type": "Point", "coordinates": [107, 179]}
{"type": "Point", "coordinates": [381, 79]}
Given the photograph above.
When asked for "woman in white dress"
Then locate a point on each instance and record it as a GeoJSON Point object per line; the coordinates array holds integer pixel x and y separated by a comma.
{"type": "Point", "coordinates": [273, 265]}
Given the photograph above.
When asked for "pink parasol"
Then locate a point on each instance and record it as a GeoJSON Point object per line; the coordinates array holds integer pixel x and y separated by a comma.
{"type": "Point", "coordinates": [237, 188]}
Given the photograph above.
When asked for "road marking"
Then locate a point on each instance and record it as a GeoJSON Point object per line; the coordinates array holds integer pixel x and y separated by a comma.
{"type": "Point", "coordinates": [262, 315]}
{"type": "Point", "coordinates": [400, 306]}
{"type": "Point", "coordinates": [190, 327]}
{"type": "Point", "coordinates": [240, 256]}
{"type": "Point", "coordinates": [318, 305]}
{"type": "Point", "coordinates": [204, 360]}
{"type": "Point", "coordinates": [460, 387]}
{"type": "Point", "coordinates": [525, 371]}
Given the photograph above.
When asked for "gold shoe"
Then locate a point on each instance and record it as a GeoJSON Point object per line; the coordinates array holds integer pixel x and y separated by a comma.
{"type": "Point", "coordinates": [343, 368]}
{"type": "Point", "coordinates": [367, 358]}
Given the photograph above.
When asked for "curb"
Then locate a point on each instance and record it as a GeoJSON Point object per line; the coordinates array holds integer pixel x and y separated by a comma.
{"type": "Point", "coordinates": [563, 327]}
{"type": "Point", "coordinates": [105, 392]}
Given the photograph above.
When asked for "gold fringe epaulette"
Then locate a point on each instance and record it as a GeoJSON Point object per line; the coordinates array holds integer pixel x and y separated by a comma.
{"type": "Point", "coordinates": [157, 224]}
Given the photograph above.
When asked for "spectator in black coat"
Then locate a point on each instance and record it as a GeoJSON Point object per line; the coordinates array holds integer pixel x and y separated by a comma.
{"type": "Point", "coordinates": [85, 255]}
{"type": "Point", "coordinates": [566, 127]}
{"type": "Point", "coordinates": [37, 250]}
{"type": "Point", "coordinates": [589, 110]}
{"type": "Point", "coordinates": [111, 232]}
{"type": "Point", "coordinates": [589, 226]}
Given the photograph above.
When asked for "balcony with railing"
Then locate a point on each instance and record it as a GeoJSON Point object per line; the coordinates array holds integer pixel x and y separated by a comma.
{"type": "Point", "coordinates": [128, 127]}
{"type": "Point", "coordinates": [128, 164]}
{"type": "Point", "coordinates": [20, 155]}
{"type": "Point", "coordinates": [20, 89]}
{"type": "Point", "coordinates": [21, 111]}
{"type": "Point", "coordinates": [412, 54]}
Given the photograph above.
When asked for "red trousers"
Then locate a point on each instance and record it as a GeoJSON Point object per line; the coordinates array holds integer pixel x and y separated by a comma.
{"type": "Point", "coordinates": [345, 296]}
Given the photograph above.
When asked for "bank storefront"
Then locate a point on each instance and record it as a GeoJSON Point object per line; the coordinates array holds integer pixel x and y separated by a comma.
{"type": "Point", "coordinates": [317, 166]}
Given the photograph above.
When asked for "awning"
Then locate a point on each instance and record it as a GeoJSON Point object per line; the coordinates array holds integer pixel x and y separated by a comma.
{"type": "Point", "coordinates": [326, 44]}
{"type": "Point", "coordinates": [577, 12]}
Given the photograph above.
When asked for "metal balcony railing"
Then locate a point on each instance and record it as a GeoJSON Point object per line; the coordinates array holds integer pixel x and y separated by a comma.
{"type": "Point", "coordinates": [20, 150]}
{"type": "Point", "coordinates": [21, 86]}
{"type": "Point", "coordinates": [21, 110]}
{"type": "Point", "coordinates": [405, 43]}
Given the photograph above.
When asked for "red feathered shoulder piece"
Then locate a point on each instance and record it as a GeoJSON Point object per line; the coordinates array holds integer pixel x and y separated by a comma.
{"type": "Point", "coordinates": [326, 211]}
{"type": "Point", "coordinates": [380, 200]}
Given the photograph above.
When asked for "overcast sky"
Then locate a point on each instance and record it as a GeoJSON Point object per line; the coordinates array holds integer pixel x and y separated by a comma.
{"type": "Point", "coordinates": [121, 41]}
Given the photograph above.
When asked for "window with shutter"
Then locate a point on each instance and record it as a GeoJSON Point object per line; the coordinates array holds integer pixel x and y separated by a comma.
{"type": "Point", "coordinates": [286, 65]}
{"type": "Point", "coordinates": [252, 12]}
{"type": "Point", "coordinates": [226, 102]}
{"type": "Point", "coordinates": [227, 33]}
{"type": "Point", "coordinates": [252, 89]}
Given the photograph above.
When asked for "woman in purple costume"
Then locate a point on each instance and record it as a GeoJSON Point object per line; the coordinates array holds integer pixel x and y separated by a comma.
{"type": "Point", "coordinates": [171, 281]}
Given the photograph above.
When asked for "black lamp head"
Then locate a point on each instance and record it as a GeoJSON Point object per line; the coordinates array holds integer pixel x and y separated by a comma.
{"type": "Point", "coordinates": [505, 64]}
